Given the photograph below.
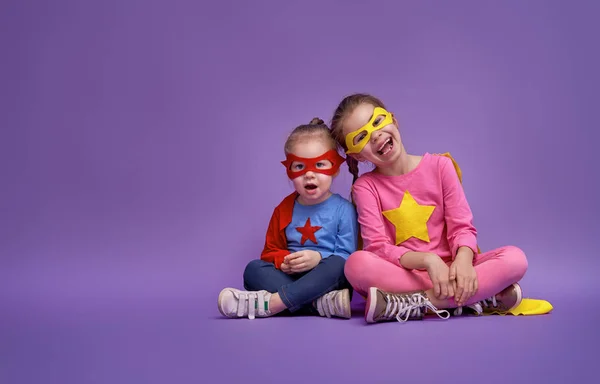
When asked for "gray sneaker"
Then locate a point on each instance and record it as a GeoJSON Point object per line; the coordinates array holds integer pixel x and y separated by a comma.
{"type": "Point", "coordinates": [507, 300]}
{"type": "Point", "coordinates": [386, 306]}
{"type": "Point", "coordinates": [474, 309]}
{"type": "Point", "coordinates": [334, 303]}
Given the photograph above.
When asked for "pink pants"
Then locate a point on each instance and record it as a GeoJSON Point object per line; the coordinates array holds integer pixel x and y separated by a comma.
{"type": "Point", "coordinates": [496, 270]}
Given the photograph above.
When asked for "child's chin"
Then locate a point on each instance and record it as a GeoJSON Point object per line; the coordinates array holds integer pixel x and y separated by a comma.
{"type": "Point", "coordinates": [311, 197]}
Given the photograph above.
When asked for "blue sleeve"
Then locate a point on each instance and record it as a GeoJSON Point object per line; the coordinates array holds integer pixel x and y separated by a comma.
{"type": "Point", "coordinates": [346, 241]}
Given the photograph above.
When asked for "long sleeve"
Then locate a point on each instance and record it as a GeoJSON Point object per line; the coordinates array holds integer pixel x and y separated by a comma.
{"type": "Point", "coordinates": [275, 249]}
{"type": "Point", "coordinates": [458, 215]}
{"type": "Point", "coordinates": [372, 227]}
{"type": "Point", "coordinates": [346, 240]}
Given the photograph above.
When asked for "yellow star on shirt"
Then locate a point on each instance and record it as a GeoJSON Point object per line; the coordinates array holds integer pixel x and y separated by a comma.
{"type": "Point", "coordinates": [410, 219]}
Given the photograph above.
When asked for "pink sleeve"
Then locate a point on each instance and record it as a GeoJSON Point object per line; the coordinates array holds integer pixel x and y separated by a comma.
{"type": "Point", "coordinates": [372, 226]}
{"type": "Point", "coordinates": [459, 219]}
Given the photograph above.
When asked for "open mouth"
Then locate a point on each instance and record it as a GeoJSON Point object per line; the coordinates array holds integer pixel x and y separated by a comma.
{"type": "Point", "coordinates": [386, 147]}
{"type": "Point", "coordinates": [310, 187]}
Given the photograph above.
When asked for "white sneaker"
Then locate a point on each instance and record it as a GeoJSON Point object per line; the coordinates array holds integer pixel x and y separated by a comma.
{"type": "Point", "coordinates": [237, 303]}
{"type": "Point", "coordinates": [334, 303]}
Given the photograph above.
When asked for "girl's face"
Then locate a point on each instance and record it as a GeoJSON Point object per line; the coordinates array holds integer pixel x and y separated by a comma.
{"type": "Point", "coordinates": [385, 144]}
{"type": "Point", "coordinates": [313, 187]}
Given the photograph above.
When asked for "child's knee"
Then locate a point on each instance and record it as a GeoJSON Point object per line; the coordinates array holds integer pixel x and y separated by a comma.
{"type": "Point", "coordinates": [335, 263]}
{"type": "Point", "coordinates": [356, 263]}
{"type": "Point", "coordinates": [518, 260]}
{"type": "Point", "coordinates": [252, 269]}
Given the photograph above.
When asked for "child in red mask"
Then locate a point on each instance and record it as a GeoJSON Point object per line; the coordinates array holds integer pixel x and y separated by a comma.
{"type": "Point", "coordinates": [311, 234]}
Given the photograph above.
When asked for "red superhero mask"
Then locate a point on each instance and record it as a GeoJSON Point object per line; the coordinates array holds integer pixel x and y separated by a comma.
{"type": "Point", "coordinates": [311, 164]}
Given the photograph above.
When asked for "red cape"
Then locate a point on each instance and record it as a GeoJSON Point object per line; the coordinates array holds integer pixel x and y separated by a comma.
{"type": "Point", "coordinates": [276, 243]}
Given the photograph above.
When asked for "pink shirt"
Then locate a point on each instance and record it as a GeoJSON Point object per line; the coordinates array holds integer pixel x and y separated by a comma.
{"type": "Point", "coordinates": [443, 213]}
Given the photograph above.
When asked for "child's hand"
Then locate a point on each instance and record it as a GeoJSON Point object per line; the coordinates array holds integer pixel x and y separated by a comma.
{"type": "Point", "coordinates": [439, 273]}
{"type": "Point", "coordinates": [285, 268]}
{"type": "Point", "coordinates": [302, 261]}
{"type": "Point", "coordinates": [463, 272]}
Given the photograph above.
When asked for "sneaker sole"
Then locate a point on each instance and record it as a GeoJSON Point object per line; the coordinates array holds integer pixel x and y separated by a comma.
{"type": "Point", "coordinates": [519, 291]}
{"type": "Point", "coordinates": [347, 305]}
{"type": "Point", "coordinates": [371, 305]}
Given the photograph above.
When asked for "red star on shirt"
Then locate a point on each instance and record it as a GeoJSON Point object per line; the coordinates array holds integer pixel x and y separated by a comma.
{"type": "Point", "coordinates": [308, 232]}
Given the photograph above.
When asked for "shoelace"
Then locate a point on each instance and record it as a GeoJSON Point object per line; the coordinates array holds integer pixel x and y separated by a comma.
{"type": "Point", "coordinates": [326, 304]}
{"type": "Point", "coordinates": [476, 307]}
{"type": "Point", "coordinates": [251, 300]}
{"type": "Point", "coordinates": [485, 302]}
{"type": "Point", "coordinates": [403, 307]}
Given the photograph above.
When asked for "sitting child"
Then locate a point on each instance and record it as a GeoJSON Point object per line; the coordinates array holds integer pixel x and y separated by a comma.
{"type": "Point", "coordinates": [311, 234]}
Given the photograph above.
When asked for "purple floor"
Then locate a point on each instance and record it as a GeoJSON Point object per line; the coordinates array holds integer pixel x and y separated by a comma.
{"type": "Point", "coordinates": [140, 150]}
{"type": "Point", "coordinates": [186, 341]}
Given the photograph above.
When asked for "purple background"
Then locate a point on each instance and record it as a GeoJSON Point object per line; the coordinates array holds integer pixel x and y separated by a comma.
{"type": "Point", "coordinates": [139, 159]}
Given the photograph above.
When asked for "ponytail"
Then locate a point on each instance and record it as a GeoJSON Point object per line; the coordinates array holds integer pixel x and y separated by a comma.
{"type": "Point", "coordinates": [352, 167]}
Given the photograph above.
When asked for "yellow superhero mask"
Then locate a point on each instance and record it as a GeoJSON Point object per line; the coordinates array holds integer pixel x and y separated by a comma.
{"type": "Point", "coordinates": [382, 119]}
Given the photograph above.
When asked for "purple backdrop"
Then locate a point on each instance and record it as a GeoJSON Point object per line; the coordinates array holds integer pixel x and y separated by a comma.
{"type": "Point", "coordinates": [141, 140]}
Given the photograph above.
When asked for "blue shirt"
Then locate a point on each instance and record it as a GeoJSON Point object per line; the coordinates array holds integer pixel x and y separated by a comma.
{"type": "Point", "coordinates": [330, 227]}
